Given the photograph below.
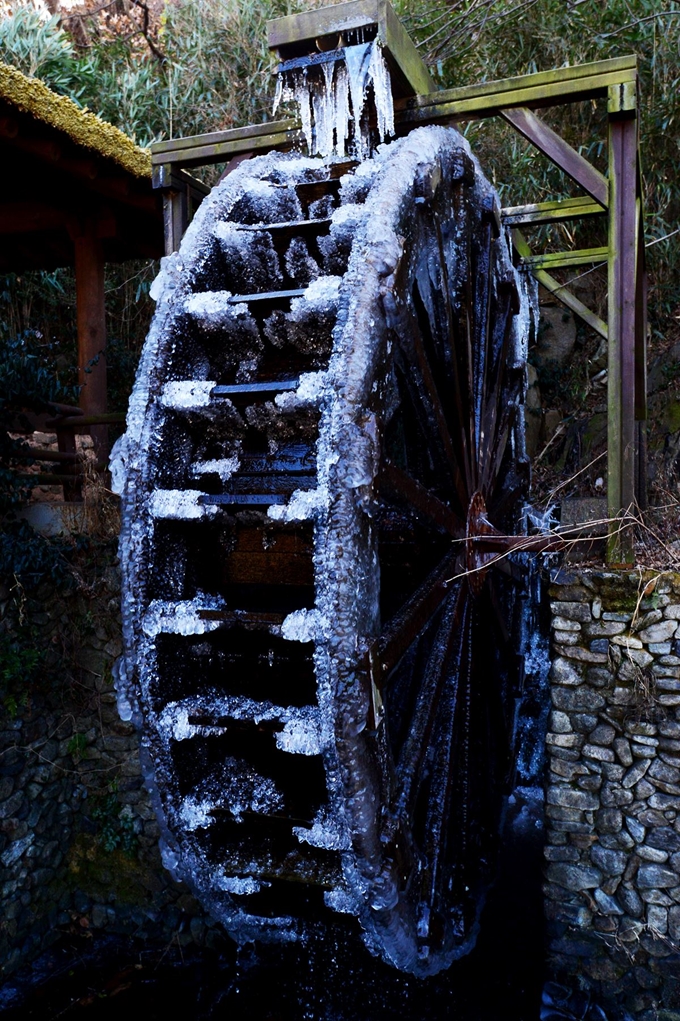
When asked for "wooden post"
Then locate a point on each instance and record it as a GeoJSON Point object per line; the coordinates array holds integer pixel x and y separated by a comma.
{"type": "Point", "coordinates": [91, 321]}
{"type": "Point", "coordinates": [623, 280]}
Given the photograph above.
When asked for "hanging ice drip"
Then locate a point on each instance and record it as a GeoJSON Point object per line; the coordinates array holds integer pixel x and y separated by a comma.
{"type": "Point", "coordinates": [343, 98]}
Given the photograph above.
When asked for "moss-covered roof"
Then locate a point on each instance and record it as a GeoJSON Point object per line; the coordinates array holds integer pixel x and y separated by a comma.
{"type": "Point", "coordinates": [32, 96]}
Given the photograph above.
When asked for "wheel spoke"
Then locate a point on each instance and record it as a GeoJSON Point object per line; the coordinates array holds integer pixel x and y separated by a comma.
{"type": "Point", "coordinates": [427, 701]}
{"type": "Point", "coordinates": [386, 651]}
{"type": "Point", "coordinates": [395, 481]}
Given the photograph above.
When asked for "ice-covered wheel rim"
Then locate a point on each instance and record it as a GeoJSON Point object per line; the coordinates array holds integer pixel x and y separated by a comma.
{"type": "Point", "coordinates": [334, 373]}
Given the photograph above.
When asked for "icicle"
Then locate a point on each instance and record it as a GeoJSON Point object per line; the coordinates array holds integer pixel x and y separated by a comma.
{"type": "Point", "coordinates": [341, 109]}
{"type": "Point", "coordinates": [379, 74]}
{"type": "Point", "coordinates": [357, 60]}
{"type": "Point", "coordinates": [278, 95]}
{"type": "Point", "coordinates": [302, 96]}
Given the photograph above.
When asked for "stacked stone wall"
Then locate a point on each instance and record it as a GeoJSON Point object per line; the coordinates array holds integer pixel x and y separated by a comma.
{"type": "Point", "coordinates": [78, 836]}
{"type": "Point", "coordinates": [613, 790]}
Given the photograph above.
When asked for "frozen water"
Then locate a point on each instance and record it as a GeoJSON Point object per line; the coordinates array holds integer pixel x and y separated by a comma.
{"type": "Point", "coordinates": [304, 505]}
{"type": "Point", "coordinates": [187, 394]}
{"type": "Point", "coordinates": [182, 617]}
{"type": "Point", "coordinates": [180, 505]}
{"type": "Point", "coordinates": [331, 99]}
{"type": "Point", "coordinates": [326, 831]}
{"type": "Point", "coordinates": [224, 467]}
{"type": "Point", "coordinates": [301, 626]}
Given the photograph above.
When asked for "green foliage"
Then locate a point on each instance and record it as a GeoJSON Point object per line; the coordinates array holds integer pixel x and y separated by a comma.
{"type": "Point", "coordinates": [20, 662]}
{"type": "Point", "coordinates": [41, 49]}
{"type": "Point", "coordinates": [115, 825]}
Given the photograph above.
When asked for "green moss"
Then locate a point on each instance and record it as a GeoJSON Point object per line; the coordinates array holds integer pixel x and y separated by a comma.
{"type": "Point", "coordinates": [108, 875]}
{"type": "Point", "coordinates": [32, 96]}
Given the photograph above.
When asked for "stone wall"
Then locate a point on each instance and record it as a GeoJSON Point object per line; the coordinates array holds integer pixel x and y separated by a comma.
{"type": "Point", "coordinates": [613, 795]}
{"type": "Point", "coordinates": [78, 837]}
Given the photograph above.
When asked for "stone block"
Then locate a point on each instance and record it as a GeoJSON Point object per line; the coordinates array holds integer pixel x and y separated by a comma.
{"type": "Point", "coordinates": [644, 790]}
{"type": "Point", "coordinates": [604, 734]}
{"type": "Point", "coordinates": [664, 801]}
{"type": "Point", "coordinates": [660, 770]}
{"type": "Point", "coordinates": [564, 672]}
{"type": "Point", "coordinates": [564, 740]}
{"type": "Point", "coordinates": [576, 699]}
{"type": "Point", "coordinates": [608, 820]}
{"type": "Point", "coordinates": [562, 624]}
{"type": "Point", "coordinates": [652, 817]}
{"type": "Point", "coordinates": [603, 628]}
{"type": "Point", "coordinates": [574, 877]}
{"type": "Point", "coordinates": [674, 923]}
{"type": "Point", "coordinates": [607, 904]}
{"type": "Point", "coordinates": [672, 611]}
{"type": "Point", "coordinates": [635, 828]}
{"type": "Point", "coordinates": [612, 863]}
{"type": "Point", "coordinates": [627, 642]}
{"type": "Point", "coordinates": [656, 877]}
{"type": "Point", "coordinates": [622, 749]}
{"type": "Point", "coordinates": [665, 838]}
{"type": "Point", "coordinates": [657, 918]}
{"type": "Point", "coordinates": [567, 797]}
{"type": "Point", "coordinates": [578, 611]}
{"type": "Point", "coordinates": [660, 632]}
{"type": "Point", "coordinates": [585, 655]}
{"type": "Point", "coordinates": [564, 638]}
{"type": "Point", "coordinates": [630, 901]}
{"type": "Point", "coordinates": [595, 751]}
{"type": "Point", "coordinates": [613, 796]}
{"type": "Point", "coordinates": [560, 722]}
{"type": "Point", "coordinates": [635, 773]}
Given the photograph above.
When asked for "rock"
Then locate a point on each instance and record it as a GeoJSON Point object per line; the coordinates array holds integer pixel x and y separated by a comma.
{"type": "Point", "coordinates": [635, 773]}
{"type": "Point", "coordinates": [655, 877]}
{"type": "Point", "coordinates": [664, 801]}
{"type": "Point", "coordinates": [565, 638]}
{"type": "Point", "coordinates": [603, 628]}
{"type": "Point", "coordinates": [644, 790]}
{"type": "Point", "coordinates": [608, 820]}
{"type": "Point", "coordinates": [636, 829]}
{"type": "Point", "coordinates": [617, 615]}
{"type": "Point", "coordinates": [670, 729]}
{"type": "Point", "coordinates": [607, 904]}
{"type": "Point", "coordinates": [657, 919]}
{"type": "Point", "coordinates": [674, 924]}
{"type": "Point", "coordinates": [593, 783]}
{"type": "Point", "coordinates": [585, 655]}
{"type": "Point", "coordinates": [567, 769]}
{"type": "Point", "coordinates": [660, 649]}
{"type": "Point", "coordinates": [665, 838]}
{"type": "Point", "coordinates": [652, 854]}
{"type": "Point", "coordinates": [612, 863]}
{"type": "Point", "coordinates": [598, 676]}
{"type": "Point", "coordinates": [626, 642]}
{"type": "Point", "coordinates": [574, 877]}
{"type": "Point", "coordinates": [564, 672]}
{"type": "Point", "coordinates": [640, 657]}
{"type": "Point", "coordinates": [567, 853]}
{"type": "Point", "coordinates": [593, 751]}
{"type": "Point", "coordinates": [564, 740]}
{"type": "Point", "coordinates": [652, 817]}
{"type": "Point", "coordinates": [562, 624]}
{"type": "Point", "coordinates": [583, 722]}
{"type": "Point", "coordinates": [660, 632]}
{"type": "Point", "coordinates": [647, 619]}
{"type": "Point", "coordinates": [604, 734]}
{"type": "Point", "coordinates": [622, 748]}
{"type": "Point", "coordinates": [557, 336]}
{"type": "Point", "coordinates": [559, 722]}
{"type": "Point", "coordinates": [576, 699]}
{"type": "Point", "coordinates": [571, 611]}
{"type": "Point", "coordinates": [659, 770]}
{"type": "Point", "coordinates": [567, 797]}
{"type": "Point", "coordinates": [630, 901]}
{"type": "Point", "coordinates": [613, 796]}
{"type": "Point", "coordinates": [672, 611]}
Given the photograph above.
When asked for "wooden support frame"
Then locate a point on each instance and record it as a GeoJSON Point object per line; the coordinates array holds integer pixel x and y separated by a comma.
{"type": "Point", "coordinates": [617, 196]}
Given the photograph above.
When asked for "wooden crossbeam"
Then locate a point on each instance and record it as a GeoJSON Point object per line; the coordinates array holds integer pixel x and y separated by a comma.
{"type": "Point", "coordinates": [547, 88]}
{"type": "Point", "coordinates": [560, 291]}
{"type": "Point", "coordinates": [559, 260]}
{"type": "Point", "coordinates": [556, 211]}
{"type": "Point", "coordinates": [559, 152]}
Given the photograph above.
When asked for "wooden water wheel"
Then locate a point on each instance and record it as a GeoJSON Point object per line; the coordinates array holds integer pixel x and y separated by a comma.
{"type": "Point", "coordinates": [324, 440]}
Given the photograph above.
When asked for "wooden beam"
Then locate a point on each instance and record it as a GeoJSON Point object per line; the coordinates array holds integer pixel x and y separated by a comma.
{"type": "Point", "coordinates": [560, 291]}
{"type": "Point", "coordinates": [91, 326]}
{"type": "Point", "coordinates": [559, 152]}
{"type": "Point", "coordinates": [25, 217]}
{"type": "Point", "coordinates": [560, 260]}
{"type": "Point", "coordinates": [220, 146]}
{"type": "Point", "coordinates": [547, 88]}
{"type": "Point", "coordinates": [623, 280]}
{"type": "Point", "coordinates": [555, 211]}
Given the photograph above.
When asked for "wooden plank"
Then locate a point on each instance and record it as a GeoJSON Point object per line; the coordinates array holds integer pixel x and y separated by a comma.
{"type": "Point", "coordinates": [560, 291]}
{"type": "Point", "coordinates": [555, 211]}
{"type": "Point", "coordinates": [549, 88]}
{"type": "Point", "coordinates": [559, 152]}
{"type": "Point", "coordinates": [237, 299]}
{"type": "Point", "coordinates": [622, 320]}
{"type": "Point", "coordinates": [160, 150]}
{"type": "Point", "coordinates": [201, 155]}
{"type": "Point", "coordinates": [558, 260]}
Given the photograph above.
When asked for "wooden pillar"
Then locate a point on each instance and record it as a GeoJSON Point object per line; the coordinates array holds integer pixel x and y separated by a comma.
{"type": "Point", "coordinates": [91, 321]}
{"type": "Point", "coordinates": [623, 279]}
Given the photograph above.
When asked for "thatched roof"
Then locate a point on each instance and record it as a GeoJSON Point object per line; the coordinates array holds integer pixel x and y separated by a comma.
{"type": "Point", "coordinates": [33, 97]}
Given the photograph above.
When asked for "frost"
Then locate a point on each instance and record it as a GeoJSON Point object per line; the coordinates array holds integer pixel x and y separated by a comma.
{"type": "Point", "coordinates": [304, 505]}
{"type": "Point", "coordinates": [301, 626]}
{"type": "Point", "coordinates": [187, 394]}
{"type": "Point", "coordinates": [299, 737]}
{"type": "Point", "coordinates": [224, 467]}
{"type": "Point", "coordinates": [311, 387]}
{"type": "Point", "coordinates": [325, 832]}
{"type": "Point", "coordinates": [323, 290]}
{"type": "Point", "coordinates": [240, 886]}
{"type": "Point", "coordinates": [180, 618]}
{"type": "Point", "coordinates": [341, 901]}
{"type": "Point", "coordinates": [118, 465]}
{"type": "Point", "coordinates": [179, 504]}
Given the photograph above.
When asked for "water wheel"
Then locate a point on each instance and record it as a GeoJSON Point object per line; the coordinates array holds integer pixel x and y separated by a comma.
{"type": "Point", "coordinates": [327, 419]}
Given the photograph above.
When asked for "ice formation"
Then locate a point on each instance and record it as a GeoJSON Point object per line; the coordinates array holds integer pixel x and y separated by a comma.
{"type": "Point", "coordinates": [332, 94]}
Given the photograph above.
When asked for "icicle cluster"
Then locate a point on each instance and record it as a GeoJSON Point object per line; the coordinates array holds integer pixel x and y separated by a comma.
{"type": "Point", "coordinates": [332, 99]}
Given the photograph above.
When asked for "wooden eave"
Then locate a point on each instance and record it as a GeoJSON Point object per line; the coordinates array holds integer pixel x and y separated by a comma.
{"type": "Point", "coordinates": [61, 176]}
